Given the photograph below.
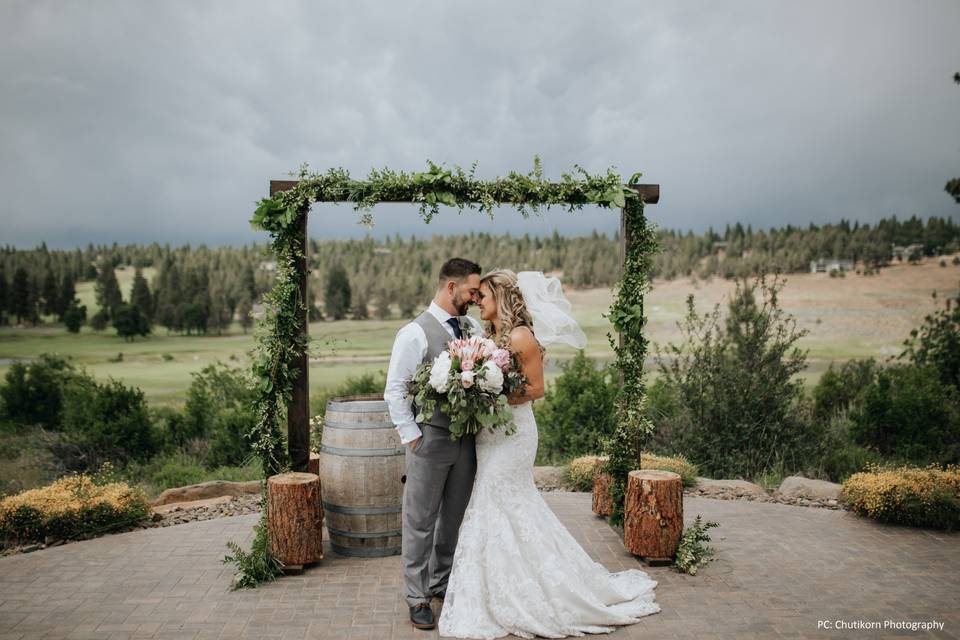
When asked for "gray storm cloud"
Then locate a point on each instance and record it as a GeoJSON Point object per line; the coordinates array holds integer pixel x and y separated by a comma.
{"type": "Point", "coordinates": [136, 121]}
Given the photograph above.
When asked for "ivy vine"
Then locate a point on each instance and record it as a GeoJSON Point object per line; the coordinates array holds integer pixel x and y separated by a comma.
{"type": "Point", "coordinates": [628, 319]}
{"type": "Point", "coordinates": [280, 338]}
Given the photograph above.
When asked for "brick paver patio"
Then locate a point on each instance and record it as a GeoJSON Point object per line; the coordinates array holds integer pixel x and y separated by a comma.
{"type": "Point", "coordinates": [780, 570]}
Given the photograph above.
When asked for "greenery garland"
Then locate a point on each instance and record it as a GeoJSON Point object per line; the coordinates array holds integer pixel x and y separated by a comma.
{"type": "Point", "coordinates": [280, 338]}
{"type": "Point", "coordinates": [628, 319]}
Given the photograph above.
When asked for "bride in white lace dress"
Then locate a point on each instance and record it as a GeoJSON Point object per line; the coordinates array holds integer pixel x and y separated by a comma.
{"type": "Point", "coordinates": [516, 569]}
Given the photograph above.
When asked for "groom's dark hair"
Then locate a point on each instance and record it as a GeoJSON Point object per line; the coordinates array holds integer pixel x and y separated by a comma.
{"type": "Point", "coordinates": [458, 269]}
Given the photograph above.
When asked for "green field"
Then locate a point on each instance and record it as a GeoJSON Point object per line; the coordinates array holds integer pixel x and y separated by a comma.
{"type": "Point", "coordinates": [847, 318]}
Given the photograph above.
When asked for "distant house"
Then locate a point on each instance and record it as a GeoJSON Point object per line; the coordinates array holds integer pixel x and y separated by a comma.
{"type": "Point", "coordinates": [720, 249]}
{"type": "Point", "coordinates": [268, 265]}
{"type": "Point", "coordinates": [905, 252]}
{"type": "Point", "coordinates": [826, 265]}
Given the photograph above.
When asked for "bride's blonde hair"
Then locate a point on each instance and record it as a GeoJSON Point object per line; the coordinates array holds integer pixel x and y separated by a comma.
{"type": "Point", "coordinates": [511, 309]}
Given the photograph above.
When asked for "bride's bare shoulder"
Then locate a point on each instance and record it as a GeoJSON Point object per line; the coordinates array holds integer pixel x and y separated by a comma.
{"type": "Point", "coordinates": [521, 339]}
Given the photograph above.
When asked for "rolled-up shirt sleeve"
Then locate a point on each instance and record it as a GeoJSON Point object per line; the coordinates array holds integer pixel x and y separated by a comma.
{"type": "Point", "coordinates": [409, 347]}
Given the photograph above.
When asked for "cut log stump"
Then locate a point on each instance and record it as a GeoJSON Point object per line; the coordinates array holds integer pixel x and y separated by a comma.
{"type": "Point", "coordinates": [602, 503]}
{"type": "Point", "coordinates": [653, 518]}
{"type": "Point", "coordinates": [295, 518]}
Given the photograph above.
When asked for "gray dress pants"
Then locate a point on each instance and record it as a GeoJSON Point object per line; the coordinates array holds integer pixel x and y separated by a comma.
{"type": "Point", "coordinates": [439, 480]}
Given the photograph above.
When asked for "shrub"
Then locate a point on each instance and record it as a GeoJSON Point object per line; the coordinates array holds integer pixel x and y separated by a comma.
{"type": "Point", "coordinates": [578, 473]}
{"type": "Point", "coordinates": [103, 422]}
{"type": "Point", "coordinates": [180, 469]}
{"type": "Point", "coordinates": [33, 393]}
{"type": "Point", "coordinates": [936, 343]}
{"type": "Point", "coordinates": [74, 316]}
{"type": "Point", "coordinates": [692, 552]}
{"type": "Point", "coordinates": [909, 414]}
{"type": "Point", "coordinates": [922, 497]}
{"type": "Point", "coordinates": [219, 406]}
{"type": "Point", "coordinates": [577, 413]}
{"type": "Point", "coordinates": [838, 389]}
{"type": "Point", "coordinates": [364, 384]}
{"type": "Point", "coordinates": [840, 457]}
{"type": "Point", "coordinates": [735, 383]}
{"type": "Point", "coordinates": [71, 507]}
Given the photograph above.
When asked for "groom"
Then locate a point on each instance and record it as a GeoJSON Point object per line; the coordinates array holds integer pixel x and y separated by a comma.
{"type": "Point", "coordinates": [440, 471]}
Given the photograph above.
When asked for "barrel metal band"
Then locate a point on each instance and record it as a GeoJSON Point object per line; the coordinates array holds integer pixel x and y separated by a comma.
{"type": "Point", "coordinates": [362, 552]}
{"type": "Point", "coordinates": [360, 453]}
{"type": "Point", "coordinates": [360, 511]}
{"type": "Point", "coordinates": [334, 424]}
{"type": "Point", "coordinates": [364, 535]}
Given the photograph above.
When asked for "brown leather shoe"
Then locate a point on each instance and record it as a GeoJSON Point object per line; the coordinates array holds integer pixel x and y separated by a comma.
{"type": "Point", "coordinates": [421, 615]}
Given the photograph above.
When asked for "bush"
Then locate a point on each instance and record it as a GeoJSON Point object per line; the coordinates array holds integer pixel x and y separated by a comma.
{"type": "Point", "coordinates": [71, 507]}
{"type": "Point", "coordinates": [936, 343]}
{"type": "Point", "coordinates": [910, 415]}
{"type": "Point", "coordinates": [577, 413]}
{"type": "Point", "coordinates": [840, 457]}
{"type": "Point", "coordinates": [741, 404]}
{"type": "Point", "coordinates": [837, 390]}
{"type": "Point", "coordinates": [364, 384]}
{"type": "Point", "coordinates": [578, 473]}
{"type": "Point", "coordinates": [33, 393]}
{"type": "Point", "coordinates": [103, 422]}
{"type": "Point", "coordinates": [75, 316]}
{"type": "Point", "coordinates": [180, 469]}
{"type": "Point", "coordinates": [219, 406]}
{"type": "Point", "coordinates": [921, 497]}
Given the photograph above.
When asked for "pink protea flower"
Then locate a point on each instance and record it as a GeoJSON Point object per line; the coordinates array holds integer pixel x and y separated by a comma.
{"type": "Point", "coordinates": [501, 357]}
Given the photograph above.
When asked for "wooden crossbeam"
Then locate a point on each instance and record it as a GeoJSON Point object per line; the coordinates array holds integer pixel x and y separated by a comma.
{"type": "Point", "coordinates": [650, 192]}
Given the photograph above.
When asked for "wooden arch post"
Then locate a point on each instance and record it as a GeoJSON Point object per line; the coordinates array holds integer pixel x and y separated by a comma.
{"type": "Point", "coordinates": [298, 413]}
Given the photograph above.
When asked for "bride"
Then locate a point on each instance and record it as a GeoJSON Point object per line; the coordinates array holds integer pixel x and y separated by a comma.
{"type": "Point", "coordinates": [516, 569]}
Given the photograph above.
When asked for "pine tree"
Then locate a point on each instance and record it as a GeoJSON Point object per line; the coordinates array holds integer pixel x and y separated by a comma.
{"type": "Point", "coordinates": [4, 296]}
{"type": "Point", "coordinates": [107, 289]}
{"type": "Point", "coordinates": [337, 293]}
{"type": "Point", "coordinates": [75, 316]}
{"type": "Point", "coordinates": [68, 292]}
{"type": "Point", "coordinates": [49, 294]}
{"type": "Point", "coordinates": [140, 294]}
{"type": "Point", "coordinates": [20, 294]}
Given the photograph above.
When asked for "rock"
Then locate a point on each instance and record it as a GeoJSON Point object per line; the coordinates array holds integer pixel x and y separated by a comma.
{"type": "Point", "coordinates": [548, 478]}
{"type": "Point", "coordinates": [736, 487]}
{"type": "Point", "coordinates": [206, 490]}
{"type": "Point", "coordinates": [31, 547]}
{"type": "Point", "coordinates": [800, 487]}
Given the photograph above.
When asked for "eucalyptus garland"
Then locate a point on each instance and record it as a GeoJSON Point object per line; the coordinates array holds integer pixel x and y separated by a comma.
{"type": "Point", "coordinates": [628, 319]}
{"type": "Point", "coordinates": [280, 337]}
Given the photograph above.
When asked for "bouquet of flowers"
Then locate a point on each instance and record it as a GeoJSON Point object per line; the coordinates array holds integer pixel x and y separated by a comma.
{"type": "Point", "coordinates": [469, 382]}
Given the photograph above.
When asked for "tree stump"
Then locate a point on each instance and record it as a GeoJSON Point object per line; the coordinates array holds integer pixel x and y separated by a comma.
{"type": "Point", "coordinates": [295, 518]}
{"type": "Point", "coordinates": [653, 518]}
{"type": "Point", "coordinates": [602, 503]}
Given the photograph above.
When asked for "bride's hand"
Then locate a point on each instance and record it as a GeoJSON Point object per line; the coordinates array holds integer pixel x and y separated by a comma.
{"type": "Point", "coordinates": [525, 345]}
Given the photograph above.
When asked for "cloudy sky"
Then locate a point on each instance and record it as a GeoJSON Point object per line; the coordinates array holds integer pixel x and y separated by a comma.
{"type": "Point", "coordinates": [135, 121]}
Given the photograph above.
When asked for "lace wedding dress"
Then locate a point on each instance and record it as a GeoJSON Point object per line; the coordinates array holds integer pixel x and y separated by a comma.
{"type": "Point", "coordinates": [516, 569]}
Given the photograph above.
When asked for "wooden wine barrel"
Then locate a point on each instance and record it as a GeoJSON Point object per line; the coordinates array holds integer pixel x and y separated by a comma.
{"type": "Point", "coordinates": [361, 466]}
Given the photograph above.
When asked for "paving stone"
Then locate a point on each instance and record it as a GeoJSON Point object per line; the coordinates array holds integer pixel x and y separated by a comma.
{"type": "Point", "coordinates": [779, 570]}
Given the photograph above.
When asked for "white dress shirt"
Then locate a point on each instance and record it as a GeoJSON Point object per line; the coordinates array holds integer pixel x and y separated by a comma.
{"type": "Point", "coordinates": [409, 349]}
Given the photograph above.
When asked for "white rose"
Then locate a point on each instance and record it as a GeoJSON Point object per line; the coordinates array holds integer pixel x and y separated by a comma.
{"type": "Point", "coordinates": [440, 372]}
{"type": "Point", "coordinates": [492, 377]}
{"type": "Point", "coordinates": [466, 378]}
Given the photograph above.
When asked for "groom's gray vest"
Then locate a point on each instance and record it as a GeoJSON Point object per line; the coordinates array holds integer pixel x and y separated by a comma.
{"type": "Point", "coordinates": [437, 339]}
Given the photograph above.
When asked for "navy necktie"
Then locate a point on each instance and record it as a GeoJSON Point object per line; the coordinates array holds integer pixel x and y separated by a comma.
{"type": "Point", "coordinates": [455, 323]}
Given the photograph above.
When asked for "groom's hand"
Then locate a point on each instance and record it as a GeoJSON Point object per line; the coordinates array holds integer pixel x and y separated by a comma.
{"type": "Point", "coordinates": [415, 443]}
